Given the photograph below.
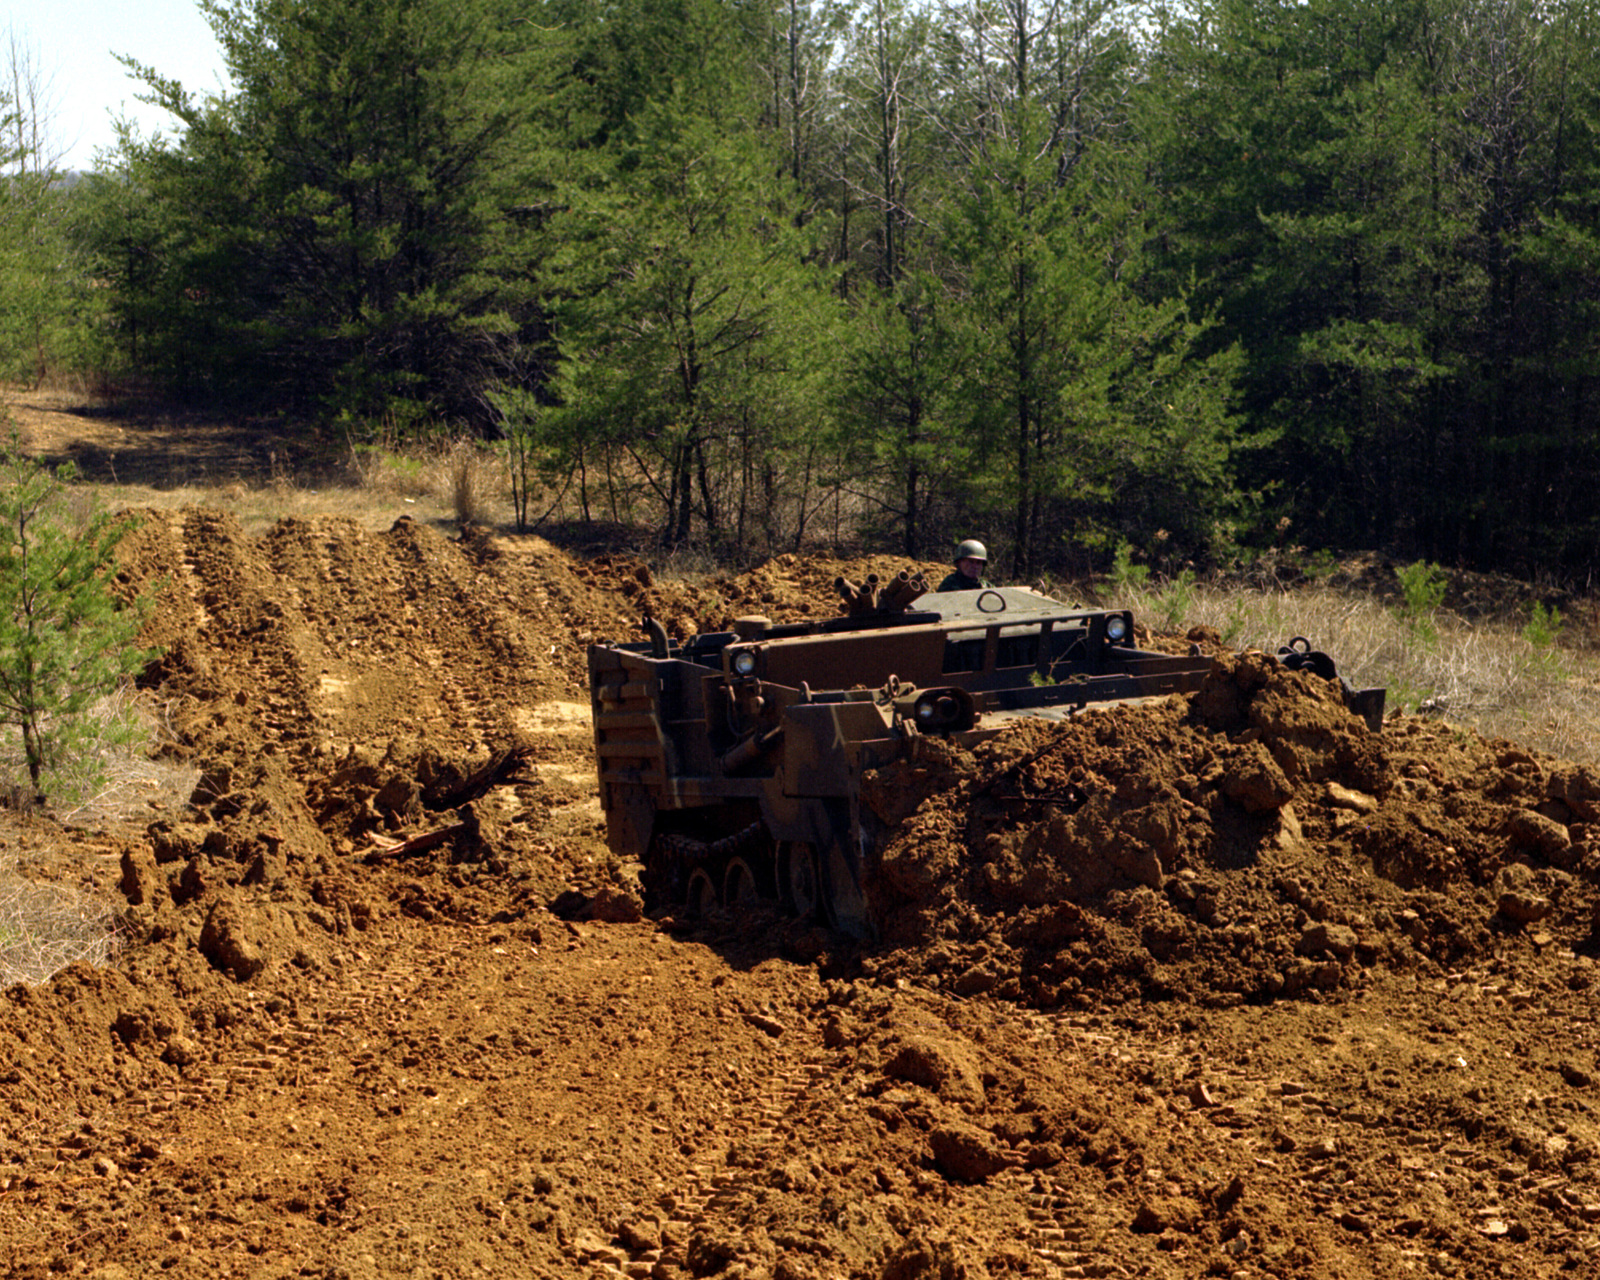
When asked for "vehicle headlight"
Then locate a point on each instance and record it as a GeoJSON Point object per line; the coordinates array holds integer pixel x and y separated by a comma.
{"type": "Point", "coordinates": [943, 710]}
{"type": "Point", "coordinates": [1116, 629]}
{"type": "Point", "coordinates": [744, 662]}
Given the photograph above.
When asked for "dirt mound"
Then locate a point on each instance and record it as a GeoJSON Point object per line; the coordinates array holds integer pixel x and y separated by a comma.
{"type": "Point", "coordinates": [1255, 841]}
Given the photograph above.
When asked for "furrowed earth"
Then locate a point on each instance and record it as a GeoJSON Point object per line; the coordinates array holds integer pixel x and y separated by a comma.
{"type": "Point", "coordinates": [1222, 985]}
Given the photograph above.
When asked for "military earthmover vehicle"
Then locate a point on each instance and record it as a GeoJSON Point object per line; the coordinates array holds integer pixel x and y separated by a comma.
{"type": "Point", "coordinates": [730, 764]}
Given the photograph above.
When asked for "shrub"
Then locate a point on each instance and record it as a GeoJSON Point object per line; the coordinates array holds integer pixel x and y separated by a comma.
{"type": "Point", "coordinates": [1125, 575]}
{"type": "Point", "coordinates": [1422, 588]}
{"type": "Point", "coordinates": [1175, 600]}
{"type": "Point", "coordinates": [66, 641]}
{"type": "Point", "coordinates": [1543, 628]}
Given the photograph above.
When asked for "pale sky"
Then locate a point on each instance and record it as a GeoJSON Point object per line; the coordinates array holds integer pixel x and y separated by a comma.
{"type": "Point", "coordinates": [71, 43]}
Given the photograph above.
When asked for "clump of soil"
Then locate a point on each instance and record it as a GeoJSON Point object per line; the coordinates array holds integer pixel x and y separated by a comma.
{"type": "Point", "coordinates": [1255, 841]}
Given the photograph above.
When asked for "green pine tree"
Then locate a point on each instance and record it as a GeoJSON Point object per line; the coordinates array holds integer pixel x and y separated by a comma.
{"type": "Point", "coordinates": [695, 330]}
{"type": "Point", "coordinates": [66, 641]}
{"type": "Point", "coordinates": [342, 229]}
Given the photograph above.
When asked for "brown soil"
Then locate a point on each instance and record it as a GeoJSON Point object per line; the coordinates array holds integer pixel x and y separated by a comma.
{"type": "Point", "coordinates": [1221, 986]}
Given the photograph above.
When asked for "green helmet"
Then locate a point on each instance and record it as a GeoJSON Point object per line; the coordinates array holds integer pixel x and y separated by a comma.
{"type": "Point", "coordinates": [971, 549]}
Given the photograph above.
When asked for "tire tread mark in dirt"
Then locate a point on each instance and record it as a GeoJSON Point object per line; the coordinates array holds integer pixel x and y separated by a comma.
{"type": "Point", "coordinates": [1060, 1231]}
{"type": "Point", "coordinates": [233, 591]}
{"type": "Point", "coordinates": [1249, 1108]}
{"type": "Point", "coordinates": [482, 618]}
{"type": "Point", "coordinates": [278, 1047]}
{"type": "Point", "coordinates": [1053, 1223]}
{"type": "Point", "coordinates": [189, 570]}
{"type": "Point", "coordinates": [756, 1118]}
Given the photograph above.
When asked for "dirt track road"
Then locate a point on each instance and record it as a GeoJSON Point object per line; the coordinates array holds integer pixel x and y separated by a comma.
{"type": "Point", "coordinates": [1351, 1033]}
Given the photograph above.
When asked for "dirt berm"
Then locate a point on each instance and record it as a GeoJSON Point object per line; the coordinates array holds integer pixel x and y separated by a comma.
{"type": "Point", "coordinates": [1227, 985]}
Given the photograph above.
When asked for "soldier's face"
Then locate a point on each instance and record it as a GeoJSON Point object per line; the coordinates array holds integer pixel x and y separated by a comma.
{"type": "Point", "coordinates": [970, 567]}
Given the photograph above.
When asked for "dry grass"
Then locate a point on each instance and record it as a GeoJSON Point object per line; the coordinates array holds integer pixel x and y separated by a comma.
{"type": "Point", "coordinates": [43, 926]}
{"type": "Point", "coordinates": [457, 471]}
{"type": "Point", "coordinates": [113, 778]}
{"type": "Point", "coordinates": [462, 483]}
{"type": "Point", "coordinates": [470, 483]}
{"type": "Point", "coordinates": [46, 927]}
{"type": "Point", "coordinates": [1485, 675]}
{"type": "Point", "coordinates": [147, 457]}
{"type": "Point", "coordinates": [133, 791]}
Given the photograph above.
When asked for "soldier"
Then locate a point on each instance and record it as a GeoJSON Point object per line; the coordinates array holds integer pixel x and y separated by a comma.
{"type": "Point", "coordinates": [970, 560]}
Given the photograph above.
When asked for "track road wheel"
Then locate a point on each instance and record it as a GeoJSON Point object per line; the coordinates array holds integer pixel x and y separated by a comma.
{"type": "Point", "coordinates": [701, 898]}
{"type": "Point", "coordinates": [744, 887]}
{"type": "Point", "coordinates": [798, 881]}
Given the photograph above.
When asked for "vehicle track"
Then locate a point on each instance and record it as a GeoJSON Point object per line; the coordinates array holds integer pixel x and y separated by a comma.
{"type": "Point", "coordinates": [811, 1095]}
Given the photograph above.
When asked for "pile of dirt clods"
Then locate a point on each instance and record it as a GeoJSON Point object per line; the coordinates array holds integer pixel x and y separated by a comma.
{"type": "Point", "coordinates": [1254, 841]}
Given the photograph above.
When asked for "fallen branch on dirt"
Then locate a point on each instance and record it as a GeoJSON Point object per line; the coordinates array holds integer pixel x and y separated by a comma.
{"type": "Point", "coordinates": [502, 769]}
{"type": "Point", "coordinates": [425, 843]}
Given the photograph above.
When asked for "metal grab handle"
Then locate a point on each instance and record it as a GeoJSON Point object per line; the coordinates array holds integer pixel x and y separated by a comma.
{"type": "Point", "coordinates": [1298, 655]}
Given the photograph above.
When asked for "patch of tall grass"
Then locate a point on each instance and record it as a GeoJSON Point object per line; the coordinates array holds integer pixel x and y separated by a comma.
{"type": "Point", "coordinates": [45, 927]}
{"type": "Point", "coordinates": [1507, 678]}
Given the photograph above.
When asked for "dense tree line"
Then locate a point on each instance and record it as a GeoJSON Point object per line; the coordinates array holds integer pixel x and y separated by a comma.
{"type": "Point", "coordinates": [1068, 274]}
